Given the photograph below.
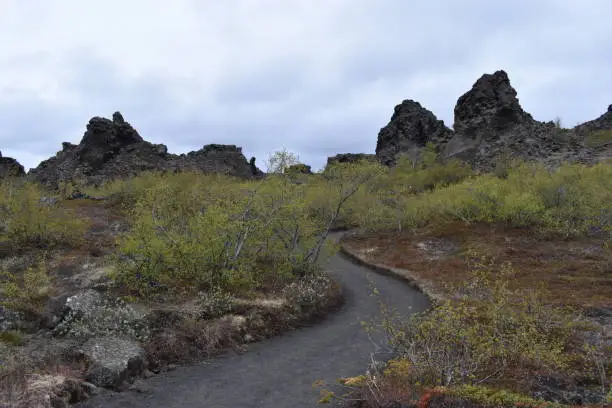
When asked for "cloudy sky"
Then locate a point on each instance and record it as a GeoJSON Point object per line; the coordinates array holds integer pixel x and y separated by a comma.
{"type": "Point", "coordinates": [316, 77]}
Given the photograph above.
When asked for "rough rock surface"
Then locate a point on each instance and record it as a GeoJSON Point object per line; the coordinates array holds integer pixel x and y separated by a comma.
{"type": "Point", "coordinates": [350, 158]}
{"type": "Point", "coordinates": [410, 129]}
{"type": "Point", "coordinates": [90, 313]}
{"type": "Point", "coordinates": [113, 149]}
{"type": "Point", "coordinates": [112, 360]}
{"type": "Point", "coordinates": [10, 167]}
{"type": "Point", "coordinates": [604, 122]}
{"type": "Point", "coordinates": [489, 123]}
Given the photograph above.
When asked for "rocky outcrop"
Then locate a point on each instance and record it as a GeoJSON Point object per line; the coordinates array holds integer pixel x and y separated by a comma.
{"type": "Point", "coordinates": [350, 158]}
{"type": "Point", "coordinates": [489, 123]}
{"type": "Point", "coordinates": [111, 360]}
{"type": "Point", "coordinates": [217, 158]}
{"type": "Point", "coordinates": [10, 168]}
{"type": "Point", "coordinates": [604, 122]}
{"type": "Point", "coordinates": [410, 129]}
{"type": "Point", "coordinates": [113, 149]}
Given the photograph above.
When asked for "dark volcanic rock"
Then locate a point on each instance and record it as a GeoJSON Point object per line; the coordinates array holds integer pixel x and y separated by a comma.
{"type": "Point", "coordinates": [350, 158]}
{"type": "Point", "coordinates": [489, 121]}
{"type": "Point", "coordinates": [490, 104]}
{"type": "Point", "coordinates": [218, 158]}
{"type": "Point", "coordinates": [489, 124]}
{"type": "Point", "coordinates": [411, 127]}
{"type": "Point", "coordinates": [113, 149]}
{"type": "Point", "coordinates": [604, 122]}
{"type": "Point", "coordinates": [10, 167]}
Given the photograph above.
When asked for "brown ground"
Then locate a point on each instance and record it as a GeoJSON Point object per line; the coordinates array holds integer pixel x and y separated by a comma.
{"type": "Point", "coordinates": [575, 272]}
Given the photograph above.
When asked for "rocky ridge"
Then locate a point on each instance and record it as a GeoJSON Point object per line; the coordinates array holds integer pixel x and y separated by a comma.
{"type": "Point", "coordinates": [489, 123]}
{"type": "Point", "coordinates": [113, 149]}
{"type": "Point", "coordinates": [10, 167]}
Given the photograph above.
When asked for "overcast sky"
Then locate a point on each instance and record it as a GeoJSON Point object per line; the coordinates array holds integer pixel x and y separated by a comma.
{"type": "Point", "coordinates": [316, 77]}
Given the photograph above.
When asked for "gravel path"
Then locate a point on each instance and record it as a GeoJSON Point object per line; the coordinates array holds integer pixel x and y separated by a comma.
{"type": "Point", "coordinates": [279, 372]}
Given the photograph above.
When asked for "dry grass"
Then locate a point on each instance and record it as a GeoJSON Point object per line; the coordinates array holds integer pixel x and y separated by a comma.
{"type": "Point", "coordinates": [51, 384]}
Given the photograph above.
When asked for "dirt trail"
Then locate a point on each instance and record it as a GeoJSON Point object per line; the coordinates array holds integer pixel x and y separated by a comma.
{"type": "Point", "coordinates": [279, 372]}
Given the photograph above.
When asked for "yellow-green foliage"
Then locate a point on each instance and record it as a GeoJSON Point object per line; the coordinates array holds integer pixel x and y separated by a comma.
{"type": "Point", "coordinates": [11, 337]}
{"type": "Point", "coordinates": [599, 138]}
{"type": "Point", "coordinates": [499, 398]}
{"type": "Point", "coordinates": [192, 232]}
{"type": "Point", "coordinates": [27, 221]}
{"type": "Point", "coordinates": [459, 343]}
{"type": "Point", "coordinates": [572, 200]}
{"type": "Point", "coordinates": [381, 203]}
{"type": "Point", "coordinates": [126, 192]}
{"type": "Point", "coordinates": [427, 174]}
{"type": "Point", "coordinates": [25, 291]}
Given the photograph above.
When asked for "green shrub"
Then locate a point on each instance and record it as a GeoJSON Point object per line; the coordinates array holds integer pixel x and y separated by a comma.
{"type": "Point", "coordinates": [28, 222]}
{"type": "Point", "coordinates": [191, 234]}
{"type": "Point", "coordinates": [27, 291]}
{"type": "Point", "coordinates": [572, 200]}
{"type": "Point", "coordinates": [12, 337]}
{"type": "Point", "coordinates": [499, 398]}
{"type": "Point", "coordinates": [458, 342]}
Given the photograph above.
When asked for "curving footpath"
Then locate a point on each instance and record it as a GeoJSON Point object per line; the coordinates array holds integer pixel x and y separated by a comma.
{"type": "Point", "coordinates": [279, 372]}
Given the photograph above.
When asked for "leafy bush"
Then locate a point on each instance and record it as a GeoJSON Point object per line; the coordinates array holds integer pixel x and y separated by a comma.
{"type": "Point", "coordinates": [11, 337]}
{"type": "Point", "coordinates": [499, 398]}
{"type": "Point", "coordinates": [459, 342]}
{"type": "Point", "coordinates": [381, 203]}
{"type": "Point", "coordinates": [28, 222]}
{"type": "Point", "coordinates": [570, 201]}
{"type": "Point", "coordinates": [27, 291]}
{"type": "Point", "coordinates": [191, 234]}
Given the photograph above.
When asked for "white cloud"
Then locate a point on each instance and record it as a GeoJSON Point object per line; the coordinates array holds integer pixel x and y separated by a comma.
{"type": "Point", "coordinates": [322, 77]}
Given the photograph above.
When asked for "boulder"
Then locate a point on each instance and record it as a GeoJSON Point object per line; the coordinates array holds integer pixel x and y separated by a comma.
{"type": "Point", "coordinates": [112, 360]}
{"type": "Point", "coordinates": [410, 129]}
{"type": "Point", "coordinates": [90, 313]}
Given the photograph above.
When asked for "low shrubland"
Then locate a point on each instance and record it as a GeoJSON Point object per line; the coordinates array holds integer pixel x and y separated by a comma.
{"type": "Point", "coordinates": [27, 220]}
{"type": "Point", "coordinates": [223, 242]}
{"type": "Point", "coordinates": [204, 233]}
{"type": "Point", "coordinates": [571, 201]}
{"type": "Point", "coordinates": [500, 338]}
{"type": "Point", "coordinates": [490, 346]}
